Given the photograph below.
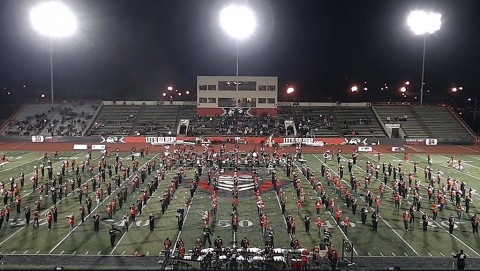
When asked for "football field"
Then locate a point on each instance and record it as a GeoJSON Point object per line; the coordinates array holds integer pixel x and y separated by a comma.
{"type": "Point", "coordinates": [391, 239]}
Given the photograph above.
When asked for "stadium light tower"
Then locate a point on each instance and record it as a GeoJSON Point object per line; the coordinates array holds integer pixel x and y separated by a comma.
{"type": "Point", "coordinates": [54, 20]}
{"type": "Point", "coordinates": [424, 23]}
{"type": "Point", "coordinates": [238, 22]}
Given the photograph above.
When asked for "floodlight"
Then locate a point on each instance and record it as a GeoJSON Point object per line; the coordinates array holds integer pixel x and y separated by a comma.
{"type": "Point", "coordinates": [290, 90]}
{"type": "Point", "coordinates": [53, 19]}
{"type": "Point", "coordinates": [354, 88]}
{"type": "Point", "coordinates": [424, 22]}
{"type": "Point", "coordinates": [238, 21]}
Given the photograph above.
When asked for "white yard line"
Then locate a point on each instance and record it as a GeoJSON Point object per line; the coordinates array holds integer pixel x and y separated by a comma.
{"type": "Point", "coordinates": [29, 174]}
{"type": "Point", "coordinates": [16, 166]}
{"type": "Point", "coordinates": [407, 162]}
{"type": "Point", "coordinates": [149, 198]}
{"type": "Point", "coordinates": [440, 226]}
{"type": "Point", "coordinates": [386, 223]}
{"type": "Point", "coordinates": [463, 163]}
{"type": "Point", "coordinates": [331, 215]}
{"type": "Point", "coordinates": [43, 213]}
{"type": "Point", "coordinates": [93, 211]}
{"type": "Point", "coordinates": [416, 148]}
{"type": "Point", "coordinates": [467, 148]}
{"type": "Point", "coordinates": [280, 206]}
{"type": "Point", "coordinates": [183, 225]}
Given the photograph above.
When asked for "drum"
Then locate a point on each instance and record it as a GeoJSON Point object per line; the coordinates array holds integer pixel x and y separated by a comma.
{"type": "Point", "coordinates": [253, 250]}
{"type": "Point", "coordinates": [206, 250]}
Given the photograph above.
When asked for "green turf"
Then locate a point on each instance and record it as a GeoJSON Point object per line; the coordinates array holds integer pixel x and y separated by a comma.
{"type": "Point", "coordinates": [391, 238]}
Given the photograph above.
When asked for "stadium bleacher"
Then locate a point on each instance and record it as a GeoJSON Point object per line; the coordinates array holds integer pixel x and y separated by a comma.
{"type": "Point", "coordinates": [358, 121]}
{"type": "Point", "coordinates": [30, 120]}
{"type": "Point", "coordinates": [70, 119]}
{"type": "Point", "coordinates": [115, 120]}
{"type": "Point", "coordinates": [157, 120]}
{"type": "Point", "coordinates": [396, 114]}
{"type": "Point", "coordinates": [316, 121]}
{"type": "Point", "coordinates": [141, 119]}
{"type": "Point", "coordinates": [442, 124]}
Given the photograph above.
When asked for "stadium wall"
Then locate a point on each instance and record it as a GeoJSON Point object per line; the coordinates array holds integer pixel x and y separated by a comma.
{"type": "Point", "coordinates": [317, 141]}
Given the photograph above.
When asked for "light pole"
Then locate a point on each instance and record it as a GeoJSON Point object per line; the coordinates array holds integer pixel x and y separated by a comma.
{"type": "Point", "coordinates": [55, 20]}
{"type": "Point", "coordinates": [238, 22]}
{"type": "Point", "coordinates": [424, 23]}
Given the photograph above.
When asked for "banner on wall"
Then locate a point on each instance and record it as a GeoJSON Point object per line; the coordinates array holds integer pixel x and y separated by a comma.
{"type": "Point", "coordinates": [38, 139]}
{"type": "Point", "coordinates": [392, 125]}
{"type": "Point", "coordinates": [80, 146]}
{"type": "Point", "coordinates": [431, 141]}
{"type": "Point", "coordinates": [98, 147]}
{"type": "Point", "coordinates": [282, 141]}
{"type": "Point", "coordinates": [415, 141]}
{"type": "Point", "coordinates": [160, 139]}
{"type": "Point", "coordinates": [112, 139]}
{"type": "Point", "coordinates": [364, 149]}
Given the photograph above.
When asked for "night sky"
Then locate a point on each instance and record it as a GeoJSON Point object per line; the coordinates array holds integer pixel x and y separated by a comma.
{"type": "Point", "coordinates": [135, 49]}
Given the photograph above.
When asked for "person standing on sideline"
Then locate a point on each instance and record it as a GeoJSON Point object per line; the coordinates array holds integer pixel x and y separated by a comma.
{"type": "Point", "coordinates": [151, 221]}
{"type": "Point", "coordinates": [406, 219]}
{"type": "Point", "coordinates": [460, 259]}
{"type": "Point", "coordinates": [113, 235]}
{"type": "Point", "coordinates": [28, 210]}
{"type": "Point", "coordinates": [96, 222]}
{"type": "Point", "coordinates": [375, 221]}
{"type": "Point", "coordinates": [364, 212]}
{"type": "Point", "coordinates": [306, 221]}
{"type": "Point", "coordinates": [451, 224]}
{"type": "Point", "coordinates": [71, 222]}
{"type": "Point", "coordinates": [206, 236]}
{"type": "Point", "coordinates": [475, 219]}
{"type": "Point", "coordinates": [424, 222]}
{"type": "Point", "coordinates": [167, 245]}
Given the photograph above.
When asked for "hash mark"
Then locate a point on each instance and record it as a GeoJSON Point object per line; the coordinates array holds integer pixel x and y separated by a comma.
{"type": "Point", "coordinates": [99, 252]}
{"type": "Point", "coordinates": [381, 254]}
{"type": "Point", "coordinates": [37, 252]}
{"type": "Point", "coordinates": [25, 251]}
{"type": "Point", "coordinates": [442, 254]}
{"type": "Point", "coordinates": [430, 254]}
{"type": "Point", "coordinates": [393, 254]}
{"type": "Point", "coordinates": [62, 252]}
{"type": "Point", "coordinates": [405, 254]}
{"type": "Point", "coordinates": [74, 252]}
{"type": "Point", "coordinates": [148, 252]}
{"type": "Point", "coordinates": [123, 253]}
{"type": "Point", "coordinates": [86, 253]}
